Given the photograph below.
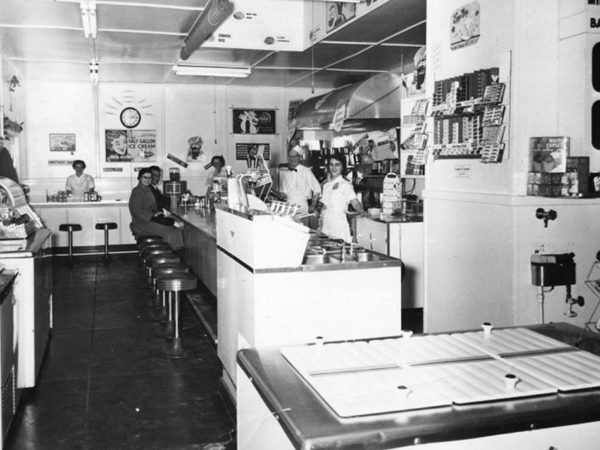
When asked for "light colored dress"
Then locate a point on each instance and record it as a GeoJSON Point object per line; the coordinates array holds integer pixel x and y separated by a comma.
{"type": "Point", "coordinates": [337, 195]}
{"type": "Point", "coordinates": [79, 185]}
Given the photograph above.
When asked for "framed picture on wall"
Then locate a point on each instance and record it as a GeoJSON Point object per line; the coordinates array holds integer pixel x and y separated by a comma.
{"type": "Point", "coordinates": [241, 150]}
{"type": "Point", "coordinates": [253, 121]}
{"type": "Point", "coordinates": [62, 142]}
{"type": "Point", "coordinates": [130, 145]}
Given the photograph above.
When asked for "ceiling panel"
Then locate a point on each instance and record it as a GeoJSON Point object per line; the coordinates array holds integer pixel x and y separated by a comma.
{"type": "Point", "coordinates": [145, 41]}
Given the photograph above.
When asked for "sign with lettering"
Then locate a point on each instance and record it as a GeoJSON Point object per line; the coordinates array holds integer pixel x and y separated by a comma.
{"type": "Point", "coordinates": [130, 145]}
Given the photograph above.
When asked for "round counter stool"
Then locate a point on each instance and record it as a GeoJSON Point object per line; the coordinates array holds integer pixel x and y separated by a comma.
{"type": "Point", "coordinates": [105, 226]}
{"type": "Point", "coordinates": [70, 228]}
{"type": "Point", "coordinates": [156, 260]}
{"type": "Point", "coordinates": [148, 239]}
{"type": "Point", "coordinates": [150, 245]}
{"type": "Point", "coordinates": [154, 249]}
{"type": "Point", "coordinates": [160, 300]}
{"type": "Point", "coordinates": [173, 285]}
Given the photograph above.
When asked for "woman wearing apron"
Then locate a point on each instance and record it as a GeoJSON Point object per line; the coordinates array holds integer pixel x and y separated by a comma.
{"type": "Point", "coordinates": [337, 194]}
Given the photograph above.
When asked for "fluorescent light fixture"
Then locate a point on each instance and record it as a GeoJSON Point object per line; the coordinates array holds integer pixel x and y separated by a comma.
{"type": "Point", "coordinates": [201, 71]}
{"type": "Point", "coordinates": [88, 18]}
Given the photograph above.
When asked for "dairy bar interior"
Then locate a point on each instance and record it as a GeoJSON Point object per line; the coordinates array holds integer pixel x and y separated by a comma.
{"type": "Point", "coordinates": [300, 224]}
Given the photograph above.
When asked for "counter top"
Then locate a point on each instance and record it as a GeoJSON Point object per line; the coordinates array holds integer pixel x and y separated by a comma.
{"type": "Point", "coordinates": [203, 219]}
{"type": "Point", "coordinates": [79, 204]}
{"type": "Point", "coordinates": [310, 423]}
{"type": "Point", "coordinates": [385, 218]}
{"type": "Point", "coordinates": [33, 245]}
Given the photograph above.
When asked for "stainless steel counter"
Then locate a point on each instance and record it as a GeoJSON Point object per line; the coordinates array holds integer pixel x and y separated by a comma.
{"type": "Point", "coordinates": [308, 422]}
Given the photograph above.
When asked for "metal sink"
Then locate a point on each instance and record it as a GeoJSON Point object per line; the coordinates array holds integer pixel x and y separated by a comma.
{"type": "Point", "coordinates": [316, 259]}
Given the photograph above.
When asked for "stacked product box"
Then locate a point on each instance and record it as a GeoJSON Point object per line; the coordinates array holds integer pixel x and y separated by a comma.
{"type": "Point", "coordinates": [574, 182]}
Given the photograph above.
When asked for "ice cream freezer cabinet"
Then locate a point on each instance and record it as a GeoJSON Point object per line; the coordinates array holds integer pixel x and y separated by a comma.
{"type": "Point", "coordinates": [518, 388]}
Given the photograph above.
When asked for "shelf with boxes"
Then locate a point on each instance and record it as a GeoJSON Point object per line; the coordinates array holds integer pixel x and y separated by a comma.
{"type": "Point", "coordinates": [468, 117]}
{"type": "Point", "coordinates": [552, 172]}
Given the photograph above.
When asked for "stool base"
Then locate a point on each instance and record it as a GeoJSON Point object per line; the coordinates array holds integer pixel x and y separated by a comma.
{"type": "Point", "coordinates": [175, 349]}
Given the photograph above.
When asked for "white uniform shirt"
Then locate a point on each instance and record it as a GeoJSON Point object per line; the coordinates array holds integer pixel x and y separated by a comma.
{"type": "Point", "coordinates": [79, 185]}
{"type": "Point", "coordinates": [299, 185]}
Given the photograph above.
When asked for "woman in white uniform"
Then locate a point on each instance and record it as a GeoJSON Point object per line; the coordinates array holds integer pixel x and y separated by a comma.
{"type": "Point", "coordinates": [337, 194]}
{"type": "Point", "coordinates": [80, 182]}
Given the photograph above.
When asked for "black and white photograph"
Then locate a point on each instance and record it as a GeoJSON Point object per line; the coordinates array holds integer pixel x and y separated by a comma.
{"type": "Point", "coordinates": [300, 224]}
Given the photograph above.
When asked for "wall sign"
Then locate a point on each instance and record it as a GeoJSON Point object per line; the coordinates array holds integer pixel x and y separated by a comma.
{"type": "Point", "coordinates": [465, 26]}
{"type": "Point", "coordinates": [62, 142]}
{"type": "Point", "coordinates": [241, 151]}
{"type": "Point", "coordinates": [130, 145]}
{"type": "Point", "coordinates": [253, 121]}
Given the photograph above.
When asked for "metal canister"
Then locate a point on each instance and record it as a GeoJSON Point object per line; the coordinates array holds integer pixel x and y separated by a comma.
{"type": "Point", "coordinates": [86, 196]}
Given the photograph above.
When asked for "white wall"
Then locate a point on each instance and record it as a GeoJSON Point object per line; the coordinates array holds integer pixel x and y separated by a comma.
{"type": "Point", "coordinates": [477, 240]}
{"type": "Point", "coordinates": [176, 112]}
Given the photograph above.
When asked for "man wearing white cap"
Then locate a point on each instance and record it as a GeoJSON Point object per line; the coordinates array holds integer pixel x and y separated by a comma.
{"type": "Point", "coordinates": [299, 183]}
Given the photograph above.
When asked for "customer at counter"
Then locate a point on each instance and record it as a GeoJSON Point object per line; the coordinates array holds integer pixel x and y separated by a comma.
{"type": "Point", "coordinates": [218, 174]}
{"type": "Point", "coordinates": [147, 218]}
{"type": "Point", "coordinates": [161, 200]}
{"type": "Point", "coordinates": [80, 182]}
{"type": "Point", "coordinates": [7, 169]}
{"type": "Point", "coordinates": [337, 194]}
{"type": "Point", "coordinates": [299, 184]}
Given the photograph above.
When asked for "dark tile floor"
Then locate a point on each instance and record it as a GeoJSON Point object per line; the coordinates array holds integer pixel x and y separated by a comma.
{"type": "Point", "coordinates": [105, 383]}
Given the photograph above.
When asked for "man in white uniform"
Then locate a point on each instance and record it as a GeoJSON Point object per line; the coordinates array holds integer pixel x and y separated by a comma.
{"type": "Point", "coordinates": [299, 183]}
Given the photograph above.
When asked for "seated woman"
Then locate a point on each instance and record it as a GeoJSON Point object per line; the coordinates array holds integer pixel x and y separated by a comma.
{"type": "Point", "coordinates": [80, 182]}
{"type": "Point", "coordinates": [337, 194]}
{"type": "Point", "coordinates": [147, 218]}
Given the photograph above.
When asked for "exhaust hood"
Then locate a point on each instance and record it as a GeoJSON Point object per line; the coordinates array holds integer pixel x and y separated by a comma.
{"type": "Point", "coordinates": [373, 104]}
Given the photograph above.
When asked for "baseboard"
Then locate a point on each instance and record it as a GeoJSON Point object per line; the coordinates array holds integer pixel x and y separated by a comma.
{"type": "Point", "coordinates": [95, 250]}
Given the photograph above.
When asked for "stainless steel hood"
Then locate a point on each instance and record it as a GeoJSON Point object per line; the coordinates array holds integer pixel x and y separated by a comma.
{"type": "Point", "coordinates": [369, 105]}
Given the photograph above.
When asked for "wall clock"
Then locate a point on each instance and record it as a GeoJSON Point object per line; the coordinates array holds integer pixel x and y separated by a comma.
{"type": "Point", "coordinates": [130, 117]}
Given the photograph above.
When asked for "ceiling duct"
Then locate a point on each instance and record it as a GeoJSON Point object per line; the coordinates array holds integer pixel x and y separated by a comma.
{"type": "Point", "coordinates": [367, 105]}
{"type": "Point", "coordinates": [213, 15]}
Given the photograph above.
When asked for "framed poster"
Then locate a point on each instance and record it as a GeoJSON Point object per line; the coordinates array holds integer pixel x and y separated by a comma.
{"type": "Point", "coordinates": [253, 121]}
{"type": "Point", "coordinates": [338, 13]}
{"type": "Point", "coordinates": [465, 25]}
{"type": "Point", "coordinates": [130, 145]}
{"type": "Point", "coordinates": [241, 150]}
{"type": "Point", "coordinates": [62, 142]}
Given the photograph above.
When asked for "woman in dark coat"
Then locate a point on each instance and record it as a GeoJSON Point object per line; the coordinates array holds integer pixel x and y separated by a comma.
{"type": "Point", "coordinates": [146, 218]}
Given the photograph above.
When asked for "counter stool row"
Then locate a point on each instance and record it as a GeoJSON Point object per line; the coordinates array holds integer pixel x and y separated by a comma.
{"type": "Point", "coordinates": [167, 276]}
{"type": "Point", "coordinates": [74, 227]}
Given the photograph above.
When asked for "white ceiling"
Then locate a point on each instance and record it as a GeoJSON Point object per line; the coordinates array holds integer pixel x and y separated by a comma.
{"type": "Point", "coordinates": [140, 40]}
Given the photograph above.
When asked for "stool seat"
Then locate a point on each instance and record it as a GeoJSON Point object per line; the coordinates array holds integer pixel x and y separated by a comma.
{"type": "Point", "coordinates": [176, 283]}
{"type": "Point", "coordinates": [157, 260]}
{"type": "Point", "coordinates": [171, 268]}
{"type": "Point", "coordinates": [149, 239]}
{"type": "Point", "coordinates": [69, 227]}
{"type": "Point", "coordinates": [106, 226]}
{"type": "Point", "coordinates": [153, 249]}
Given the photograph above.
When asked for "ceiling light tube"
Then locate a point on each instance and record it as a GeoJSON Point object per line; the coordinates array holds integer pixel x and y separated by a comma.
{"type": "Point", "coordinates": [92, 18]}
{"type": "Point", "coordinates": [230, 72]}
{"type": "Point", "coordinates": [85, 22]}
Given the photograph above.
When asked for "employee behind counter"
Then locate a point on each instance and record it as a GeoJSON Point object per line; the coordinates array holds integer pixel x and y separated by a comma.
{"type": "Point", "coordinates": [79, 183]}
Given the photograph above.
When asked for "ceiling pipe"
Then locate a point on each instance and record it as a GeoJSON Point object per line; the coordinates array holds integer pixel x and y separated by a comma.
{"type": "Point", "coordinates": [209, 20]}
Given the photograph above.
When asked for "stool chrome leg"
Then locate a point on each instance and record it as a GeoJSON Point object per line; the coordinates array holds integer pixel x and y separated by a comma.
{"type": "Point", "coordinates": [175, 349]}
{"type": "Point", "coordinates": [70, 247]}
{"type": "Point", "coordinates": [169, 325]}
{"type": "Point", "coordinates": [106, 244]}
{"type": "Point", "coordinates": [162, 316]}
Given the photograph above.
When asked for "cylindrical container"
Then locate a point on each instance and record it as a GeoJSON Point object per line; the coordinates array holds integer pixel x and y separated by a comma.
{"type": "Point", "coordinates": [174, 174]}
{"type": "Point", "coordinates": [86, 196]}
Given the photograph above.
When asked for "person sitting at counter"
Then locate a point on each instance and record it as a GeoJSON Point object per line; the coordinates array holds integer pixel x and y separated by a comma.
{"type": "Point", "coordinates": [162, 201]}
{"type": "Point", "coordinates": [336, 195]}
{"type": "Point", "coordinates": [80, 182]}
{"type": "Point", "coordinates": [146, 216]}
{"type": "Point", "coordinates": [299, 184]}
{"type": "Point", "coordinates": [7, 169]}
{"type": "Point", "coordinates": [218, 174]}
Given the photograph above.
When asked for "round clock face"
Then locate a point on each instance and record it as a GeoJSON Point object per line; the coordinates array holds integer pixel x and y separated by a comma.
{"type": "Point", "coordinates": [130, 117]}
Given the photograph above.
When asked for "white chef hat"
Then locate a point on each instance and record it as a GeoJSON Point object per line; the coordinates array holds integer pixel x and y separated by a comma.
{"type": "Point", "coordinates": [299, 150]}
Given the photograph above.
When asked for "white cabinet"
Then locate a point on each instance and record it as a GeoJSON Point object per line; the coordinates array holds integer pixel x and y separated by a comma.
{"type": "Point", "coordinates": [87, 214]}
{"type": "Point", "coordinates": [404, 240]}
